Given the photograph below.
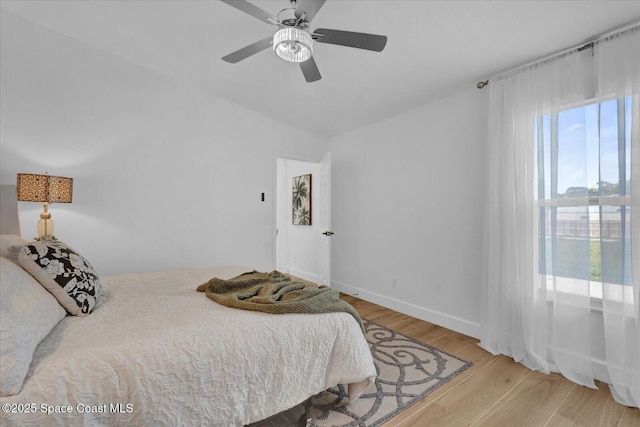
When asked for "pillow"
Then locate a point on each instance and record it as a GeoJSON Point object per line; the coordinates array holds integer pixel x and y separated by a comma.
{"type": "Point", "coordinates": [10, 240]}
{"type": "Point", "coordinates": [64, 273]}
{"type": "Point", "coordinates": [27, 314]}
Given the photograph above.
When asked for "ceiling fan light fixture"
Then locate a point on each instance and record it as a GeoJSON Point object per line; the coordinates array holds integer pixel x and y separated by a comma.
{"type": "Point", "coordinates": [293, 44]}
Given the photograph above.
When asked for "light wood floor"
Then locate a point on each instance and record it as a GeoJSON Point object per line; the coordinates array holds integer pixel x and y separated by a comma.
{"type": "Point", "coordinates": [496, 391]}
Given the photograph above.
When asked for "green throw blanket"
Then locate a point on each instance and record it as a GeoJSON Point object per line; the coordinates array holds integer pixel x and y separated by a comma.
{"type": "Point", "coordinates": [276, 293]}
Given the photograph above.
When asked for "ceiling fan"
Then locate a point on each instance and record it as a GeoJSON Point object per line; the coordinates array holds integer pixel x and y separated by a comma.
{"type": "Point", "coordinates": [293, 42]}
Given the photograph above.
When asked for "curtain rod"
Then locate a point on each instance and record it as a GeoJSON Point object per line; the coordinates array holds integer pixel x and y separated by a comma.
{"type": "Point", "coordinates": [578, 48]}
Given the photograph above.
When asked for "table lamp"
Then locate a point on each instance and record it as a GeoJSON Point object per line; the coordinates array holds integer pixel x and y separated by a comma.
{"type": "Point", "coordinates": [46, 189]}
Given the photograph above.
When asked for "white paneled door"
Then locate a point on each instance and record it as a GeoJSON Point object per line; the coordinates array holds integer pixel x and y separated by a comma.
{"type": "Point", "coordinates": [324, 250]}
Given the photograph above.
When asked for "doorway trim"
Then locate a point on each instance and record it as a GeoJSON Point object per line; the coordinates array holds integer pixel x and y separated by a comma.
{"type": "Point", "coordinates": [286, 156]}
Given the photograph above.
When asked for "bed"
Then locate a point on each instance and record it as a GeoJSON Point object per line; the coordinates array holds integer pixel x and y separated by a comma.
{"type": "Point", "coordinates": [153, 351]}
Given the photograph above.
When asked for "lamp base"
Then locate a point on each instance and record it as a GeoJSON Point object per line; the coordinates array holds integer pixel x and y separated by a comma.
{"type": "Point", "coordinates": [45, 225]}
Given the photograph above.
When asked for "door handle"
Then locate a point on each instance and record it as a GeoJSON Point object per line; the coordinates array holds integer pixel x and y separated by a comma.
{"type": "Point", "coordinates": [328, 233]}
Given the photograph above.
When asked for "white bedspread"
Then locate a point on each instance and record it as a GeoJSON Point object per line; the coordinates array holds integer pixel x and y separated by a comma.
{"type": "Point", "coordinates": [156, 352]}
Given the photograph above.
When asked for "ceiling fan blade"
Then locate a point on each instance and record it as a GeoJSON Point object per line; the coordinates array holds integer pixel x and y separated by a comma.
{"type": "Point", "coordinates": [308, 7]}
{"type": "Point", "coordinates": [249, 50]}
{"type": "Point", "coordinates": [310, 70]}
{"type": "Point", "coordinates": [350, 39]}
{"type": "Point", "coordinates": [252, 10]}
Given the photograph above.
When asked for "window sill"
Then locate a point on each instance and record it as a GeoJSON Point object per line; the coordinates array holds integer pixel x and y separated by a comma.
{"type": "Point", "coordinates": [578, 290]}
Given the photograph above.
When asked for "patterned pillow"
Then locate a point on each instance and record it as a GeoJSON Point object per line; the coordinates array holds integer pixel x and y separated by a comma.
{"type": "Point", "coordinates": [64, 273]}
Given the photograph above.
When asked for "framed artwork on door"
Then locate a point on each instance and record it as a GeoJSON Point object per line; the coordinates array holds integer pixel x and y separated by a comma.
{"type": "Point", "coordinates": [301, 200]}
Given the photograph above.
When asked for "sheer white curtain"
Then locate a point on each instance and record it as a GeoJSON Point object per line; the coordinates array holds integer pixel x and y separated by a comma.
{"type": "Point", "coordinates": [562, 223]}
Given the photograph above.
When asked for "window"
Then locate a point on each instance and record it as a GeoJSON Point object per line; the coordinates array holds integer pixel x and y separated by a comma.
{"type": "Point", "coordinates": [583, 176]}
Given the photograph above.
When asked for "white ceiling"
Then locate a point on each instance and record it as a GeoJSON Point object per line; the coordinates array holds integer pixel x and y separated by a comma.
{"type": "Point", "coordinates": [433, 47]}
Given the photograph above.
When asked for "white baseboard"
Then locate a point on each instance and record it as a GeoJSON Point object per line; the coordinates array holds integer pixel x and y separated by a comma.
{"type": "Point", "coordinates": [457, 324]}
{"type": "Point", "coordinates": [303, 275]}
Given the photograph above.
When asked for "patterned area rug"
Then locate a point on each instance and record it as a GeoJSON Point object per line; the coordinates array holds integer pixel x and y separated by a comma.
{"type": "Point", "coordinates": [407, 369]}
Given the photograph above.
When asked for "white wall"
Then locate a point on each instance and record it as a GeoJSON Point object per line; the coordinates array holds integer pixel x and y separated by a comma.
{"type": "Point", "coordinates": [298, 245]}
{"type": "Point", "coordinates": [168, 177]}
{"type": "Point", "coordinates": [407, 203]}
{"type": "Point", "coordinates": [164, 176]}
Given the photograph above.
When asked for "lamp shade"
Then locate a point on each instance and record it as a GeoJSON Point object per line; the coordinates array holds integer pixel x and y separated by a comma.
{"type": "Point", "coordinates": [44, 188]}
{"type": "Point", "coordinates": [293, 44]}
